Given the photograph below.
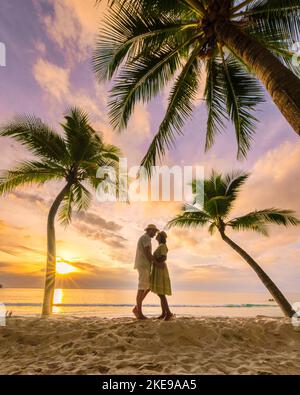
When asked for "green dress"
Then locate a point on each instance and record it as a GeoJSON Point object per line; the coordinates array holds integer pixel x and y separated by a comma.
{"type": "Point", "coordinates": [160, 279]}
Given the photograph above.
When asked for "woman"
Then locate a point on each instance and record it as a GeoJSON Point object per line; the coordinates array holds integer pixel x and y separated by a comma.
{"type": "Point", "coordinates": [160, 280]}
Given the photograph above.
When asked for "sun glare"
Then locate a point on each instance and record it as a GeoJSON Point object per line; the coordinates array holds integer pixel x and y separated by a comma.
{"type": "Point", "coordinates": [58, 299]}
{"type": "Point", "coordinates": [58, 296]}
{"type": "Point", "coordinates": [65, 268]}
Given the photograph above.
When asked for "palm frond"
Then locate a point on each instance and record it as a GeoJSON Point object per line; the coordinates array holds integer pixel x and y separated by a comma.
{"type": "Point", "coordinates": [234, 181]}
{"type": "Point", "coordinates": [110, 155]}
{"type": "Point", "coordinates": [27, 173]}
{"type": "Point", "coordinates": [218, 206]}
{"type": "Point", "coordinates": [190, 220]}
{"type": "Point", "coordinates": [278, 15]}
{"type": "Point", "coordinates": [180, 108]}
{"type": "Point", "coordinates": [127, 33]}
{"type": "Point", "coordinates": [66, 208]}
{"type": "Point", "coordinates": [84, 143]}
{"type": "Point", "coordinates": [212, 229]}
{"type": "Point", "coordinates": [38, 137]}
{"type": "Point", "coordinates": [257, 220]}
{"type": "Point", "coordinates": [81, 196]}
{"type": "Point", "coordinates": [142, 79]}
{"type": "Point", "coordinates": [213, 186]}
{"type": "Point", "coordinates": [215, 101]}
{"type": "Point", "coordinates": [278, 217]}
{"type": "Point", "coordinates": [150, 5]}
{"type": "Point", "coordinates": [220, 192]}
{"type": "Point", "coordinates": [244, 93]}
{"type": "Point", "coordinates": [276, 40]}
{"type": "Point", "coordinates": [248, 222]}
{"type": "Point", "coordinates": [80, 137]}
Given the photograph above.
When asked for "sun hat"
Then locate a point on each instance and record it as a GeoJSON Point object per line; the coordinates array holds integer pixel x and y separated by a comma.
{"type": "Point", "coordinates": [163, 234]}
{"type": "Point", "coordinates": [153, 227]}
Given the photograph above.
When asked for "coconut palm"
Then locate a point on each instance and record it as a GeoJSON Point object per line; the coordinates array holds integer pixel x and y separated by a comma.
{"type": "Point", "coordinates": [73, 157]}
{"type": "Point", "coordinates": [144, 45]}
{"type": "Point", "coordinates": [220, 193]}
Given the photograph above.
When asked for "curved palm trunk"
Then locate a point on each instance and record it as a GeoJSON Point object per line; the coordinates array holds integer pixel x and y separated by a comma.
{"type": "Point", "coordinates": [272, 288]}
{"type": "Point", "coordinates": [282, 84]}
{"type": "Point", "coordinates": [51, 254]}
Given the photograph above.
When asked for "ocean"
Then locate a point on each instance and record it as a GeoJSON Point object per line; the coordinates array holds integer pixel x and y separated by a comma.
{"type": "Point", "coordinates": [112, 303]}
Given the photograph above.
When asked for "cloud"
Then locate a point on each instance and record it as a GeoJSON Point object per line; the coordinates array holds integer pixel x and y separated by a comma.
{"type": "Point", "coordinates": [17, 250]}
{"type": "Point", "coordinates": [96, 221]}
{"type": "Point", "coordinates": [273, 183]}
{"type": "Point", "coordinates": [88, 276]}
{"type": "Point", "coordinates": [53, 79]}
{"type": "Point", "coordinates": [15, 243]}
{"type": "Point", "coordinates": [30, 197]}
{"type": "Point", "coordinates": [274, 179]}
{"type": "Point", "coordinates": [95, 227]}
{"type": "Point", "coordinates": [102, 235]}
{"type": "Point", "coordinates": [72, 25]}
{"type": "Point", "coordinates": [56, 83]}
{"type": "Point", "coordinates": [40, 47]}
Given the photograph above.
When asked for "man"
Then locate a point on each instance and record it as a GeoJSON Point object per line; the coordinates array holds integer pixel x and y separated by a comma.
{"type": "Point", "coordinates": [143, 261]}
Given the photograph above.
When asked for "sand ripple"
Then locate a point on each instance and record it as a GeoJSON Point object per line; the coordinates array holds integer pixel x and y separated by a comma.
{"type": "Point", "coordinates": [124, 346]}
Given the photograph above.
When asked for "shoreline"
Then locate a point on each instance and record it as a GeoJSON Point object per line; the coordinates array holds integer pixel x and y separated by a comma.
{"type": "Point", "coordinates": [185, 345]}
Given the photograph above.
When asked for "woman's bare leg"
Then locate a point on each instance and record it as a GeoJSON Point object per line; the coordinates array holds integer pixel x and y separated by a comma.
{"type": "Point", "coordinates": [163, 312]}
{"type": "Point", "coordinates": [168, 315]}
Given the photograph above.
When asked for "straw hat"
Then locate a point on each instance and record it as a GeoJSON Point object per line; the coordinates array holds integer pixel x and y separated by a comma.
{"type": "Point", "coordinates": [153, 227]}
{"type": "Point", "coordinates": [163, 234]}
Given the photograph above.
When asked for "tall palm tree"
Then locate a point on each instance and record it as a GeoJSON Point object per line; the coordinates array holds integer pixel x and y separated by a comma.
{"type": "Point", "coordinates": [220, 193]}
{"type": "Point", "coordinates": [73, 158]}
{"type": "Point", "coordinates": [146, 44]}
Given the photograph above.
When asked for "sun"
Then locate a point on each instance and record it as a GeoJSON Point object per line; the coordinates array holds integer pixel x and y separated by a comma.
{"type": "Point", "coordinates": [65, 268]}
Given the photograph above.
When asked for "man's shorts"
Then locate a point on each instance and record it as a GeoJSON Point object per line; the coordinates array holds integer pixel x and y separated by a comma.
{"type": "Point", "coordinates": [144, 278]}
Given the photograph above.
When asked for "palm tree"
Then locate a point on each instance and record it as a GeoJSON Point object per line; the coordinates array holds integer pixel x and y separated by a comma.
{"type": "Point", "coordinates": [146, 44]}
{"type": "Point", "coordinates": [73, 158]}
{"type": "Point", "coordinates": [220, 193]}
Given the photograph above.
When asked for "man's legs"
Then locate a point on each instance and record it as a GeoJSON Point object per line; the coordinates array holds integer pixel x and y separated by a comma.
{"type": "Point", "coordinates": [143, 290]}
{"type": "Point", "coordinates": [141, 294]}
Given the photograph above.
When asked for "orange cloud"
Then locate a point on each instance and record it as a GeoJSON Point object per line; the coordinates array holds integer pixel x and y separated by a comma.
{"type": "Point", "coordinates": [73, 26]}
{"type": "Point", "coordinates": [52, 78]}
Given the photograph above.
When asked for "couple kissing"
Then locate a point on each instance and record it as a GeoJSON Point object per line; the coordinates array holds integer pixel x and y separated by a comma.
{"type": "Point", "coordinates": [153, 274]}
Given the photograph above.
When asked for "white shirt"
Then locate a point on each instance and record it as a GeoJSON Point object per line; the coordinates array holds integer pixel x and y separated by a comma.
{"type": "Point", "coordinates": [141, 260]}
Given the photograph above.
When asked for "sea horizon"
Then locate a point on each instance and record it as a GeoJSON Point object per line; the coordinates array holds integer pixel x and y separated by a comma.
{"type": "Point", "coordinates": [113, 303]}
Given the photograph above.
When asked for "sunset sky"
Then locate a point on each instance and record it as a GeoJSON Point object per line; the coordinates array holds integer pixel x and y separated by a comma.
{"type": "Point", "coordinates": [49, 45]}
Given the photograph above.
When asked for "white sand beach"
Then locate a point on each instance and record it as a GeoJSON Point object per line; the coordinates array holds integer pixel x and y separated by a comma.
{"type": "Point", "coordinates": [72, 345]}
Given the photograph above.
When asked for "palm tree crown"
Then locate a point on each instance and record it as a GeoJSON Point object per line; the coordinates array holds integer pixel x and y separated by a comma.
{"type": "Point", "coordinates": [220, 194]}
{"type": "Point", "coordinates": [73, 157]}
{"type": "Point", "coordinates": [146, 44]}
